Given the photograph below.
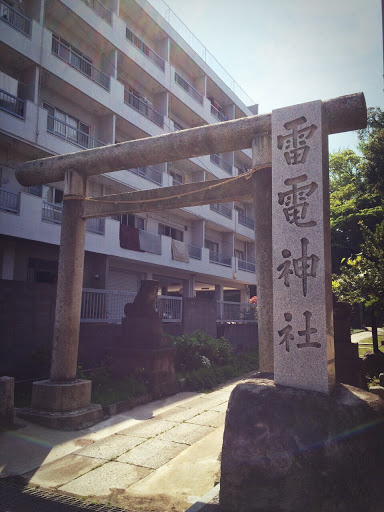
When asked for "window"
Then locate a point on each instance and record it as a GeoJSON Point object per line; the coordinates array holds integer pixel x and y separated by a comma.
{"type": "Point", "coordinates": [36, 190]}
{"type": "Point", "coordinates": [130, 220]}
{"type": "Point", "coordinates": [212, 246]}
{"type": "Point", "coordinates": [52, 195]}
{"type": "Point", "coordinates": [174, 233]}
{"type": "Point", "coordinates": [239, 254]}
{"type": "Point", "coordinates": [177, 179]}
{"type": "Point", "coordinates": [67, 126]}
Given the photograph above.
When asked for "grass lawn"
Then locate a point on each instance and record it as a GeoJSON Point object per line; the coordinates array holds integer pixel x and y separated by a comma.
{"type": "Point", "coordinates": [365, 345]}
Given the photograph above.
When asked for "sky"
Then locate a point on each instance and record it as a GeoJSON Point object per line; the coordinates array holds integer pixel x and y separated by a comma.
{"type": "Point", "coordinates": [287, 52]}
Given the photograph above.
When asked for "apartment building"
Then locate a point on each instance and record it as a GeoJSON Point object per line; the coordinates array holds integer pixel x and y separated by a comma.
{"type": "Point", "coordinates": [79, 74]}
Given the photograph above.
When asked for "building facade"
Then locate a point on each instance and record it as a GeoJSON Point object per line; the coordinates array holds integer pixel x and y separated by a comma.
{"type": "Point", "coordinates": [79, 74]}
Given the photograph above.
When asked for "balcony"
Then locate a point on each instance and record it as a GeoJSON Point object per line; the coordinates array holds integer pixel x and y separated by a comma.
{"type": "Point", "coordinates": [53, 212]}
{"type": "Point", "coordinates": [220, 259]}
{"type": "Point", "coordinates": [80, 63]}
{"type": "Point", "coordinates": [188, 88]}
{"type": "Point", "coordinates": [194, 252]}
{"type": "Point", "coordinates": [246, 221]}
{"type": "Point", "coordinates": [145, 49]}
{"type": "Point", "coordinates": [222, 210]}
{"type": "Point", "coordinates": [215, 159]}
{"type": "Point", "coordinates": [138, 104]}
{"type": "Point", "coordinates": [9, 201]}
{"type": "Point", "coordinates": [12, 105]}
{"type": "Point", "coordinates": [15, 19]}
{"type": "Point", "coordinates": [218, 114]}
{"type": "Point", "coordinates": [149, 173]}
{"type": "Point", "coordinates": [248, 266]}
{"type": "Point", "coordinates": [72, 134]}
{"type": "Point", "coordinates": [100, 10]}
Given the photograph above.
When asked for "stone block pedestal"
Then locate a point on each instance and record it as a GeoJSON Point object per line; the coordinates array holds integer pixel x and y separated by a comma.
{"type": "Point", "coordinates": [62, 405]}
{"type": "Point", "coordinates": [288, 450]}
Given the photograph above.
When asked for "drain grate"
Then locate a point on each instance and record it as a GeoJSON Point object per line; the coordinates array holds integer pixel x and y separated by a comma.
{"type": "Point", "coordinates": [15, 497]}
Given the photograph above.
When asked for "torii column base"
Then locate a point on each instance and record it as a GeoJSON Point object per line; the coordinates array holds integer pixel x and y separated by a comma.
{"type": "Point", "coordinates": [62, 405]}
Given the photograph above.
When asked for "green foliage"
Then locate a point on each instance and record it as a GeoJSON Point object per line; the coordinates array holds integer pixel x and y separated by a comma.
{"type": "Point", "coordinates": [107, 389]}
{"type": "Point", "coordinates": [205, 379]}
{"type": "Point", "coordinates": [200, 350]}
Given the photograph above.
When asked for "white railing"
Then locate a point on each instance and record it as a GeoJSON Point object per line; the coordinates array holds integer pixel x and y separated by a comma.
{"type": "Point", "coordinates": [72, 134]}
{"type": "Point", "coordinates": [236, 312]}
{"type": "Point", "coordinates": [215, 159]}
{"type": "Point", "coordinates": [53, 212]}
{"type": "Point", "coordinates": [141, 106]}
{"type": "Point", "coordinates": [246, 221]}
{"type": "Point", "coordinates": [12, 104]}
{"type": "Point", "coordinates": [9, 201]}
{"type": "Point", "coordinates": [108, 306]}
{"type": "Point", "coordinates": [222, 209]}
{"type": "Point", "coordinates": [15, 19]}
{"type": "Point", "coordinates": [194, 252]}
{"type": "Point", "coordinates": [248, 266]}
{"type": "Point", "coordinates": [100, 10]}
{"type": "Point", "coordinates": [220, 259]}
{"type": "Point", "coordinates": [80, 63]}
{"type": "Point", "coordinates": [149, 173]}
{"type": "Point", "coordinates": [218, 114]}
{"type": "Point", "coordinates": [144, 48]}
{"type": "Point", "coordinates": [188, 88]}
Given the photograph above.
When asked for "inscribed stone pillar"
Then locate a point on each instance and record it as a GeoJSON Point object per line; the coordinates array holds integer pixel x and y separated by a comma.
{"type": "Point", "coordinates": [302, 295]}
{"type": "Point", "coordinates": [262, 155]}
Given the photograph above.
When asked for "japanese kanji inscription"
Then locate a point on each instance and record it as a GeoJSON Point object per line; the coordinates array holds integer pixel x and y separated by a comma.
{"type": "Point", "coordinates": [302, 296]}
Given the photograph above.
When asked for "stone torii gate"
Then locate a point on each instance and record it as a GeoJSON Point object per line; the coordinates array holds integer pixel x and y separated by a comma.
{"type": "Point", "coordinates": [64, 401]}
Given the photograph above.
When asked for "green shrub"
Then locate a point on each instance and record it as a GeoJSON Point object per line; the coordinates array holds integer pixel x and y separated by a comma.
{"type": "Point", "coordinates": [200, 350]}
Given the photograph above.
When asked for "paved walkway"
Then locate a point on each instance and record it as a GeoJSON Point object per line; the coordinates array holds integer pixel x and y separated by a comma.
{"type": "Point", "coordinates": [160, 456]}
{"type": "Point", "coordinates": [359, 336]}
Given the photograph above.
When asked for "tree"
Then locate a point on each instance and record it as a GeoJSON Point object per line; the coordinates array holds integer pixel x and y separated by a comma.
{"type": "Point", "coordinates": [362, 278]}
{"type": "Point", "coordinates": [372, 147]}
{"type": "Point", "coordinates": [352, 200]}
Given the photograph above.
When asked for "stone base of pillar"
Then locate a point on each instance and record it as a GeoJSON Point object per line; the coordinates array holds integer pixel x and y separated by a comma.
{"type": "Point", "coordinates": [62, 405]}
{"type": "Point", "coordinates": [286, 449]}
{"type": "Point", "coordinates": [156, 367]}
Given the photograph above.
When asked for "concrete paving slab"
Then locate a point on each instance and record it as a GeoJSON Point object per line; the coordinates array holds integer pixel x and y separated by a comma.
{"type": "Point", "coordinates": [209, 418]}
{"type": "Point", "coordinates": [61, 471]}
{"type": "Point", "coordinates": [106, 478]}
{"type": "Point", "coordinates": [153, 453]}
{"type": "Point", "coordinates": [186, 433]}
{"type": "Point", "coordinates": [220, 408]}
{"type": "Point", "coordinates": [148, 428]}
{"type": "Point", "coordinates": [111, 447]}
{"type": "Point", "coordinates": [179, 414]}
{"type": "Point", "coordinates": [188, 476]}
{"type": "Point", "coordinates": [206, 402]}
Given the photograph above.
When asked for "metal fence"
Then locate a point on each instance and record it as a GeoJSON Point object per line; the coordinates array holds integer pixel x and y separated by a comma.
{"type": "Point", "coordinates": [148, 52]}
{"type": "Point", "coordinates": [194, 252]}
{"type": "Point", "coordinates": [219, 115]}
{"type": "Point", "coordinates": [221, 163]}
{"type": "Point", "coordinates": [223, 210]}
{"type": "Point", "coordinates": [236, 312]}
{"type": "Point", "coordinates": [80, 63]}
{"type": "Point", "coordinates": [12, 104]}
{"type": "Point", "coordinates": [248, 266]}
{"type": "Point", "coordinates": [108, 306]}
{"type": "Point", "coordinates": [149, 173]}
{"type": "Point", "coordinates": [9, 201]}
{"type": "Point", "coordinates": [15, 19]}
{"type": "Point", "coordinates": [138, 104]}
{"type": "Point", "coordinates": [53, 212]}
{"type": "Point", "coordinates": [96, 226]}
{"type": "Point", "coordinates": [72, 134]}
{"type": "Point", "coordinates": [100, 10]}
{"type": "Point", "coordinates": [220, 259]}
{"type": "Point", "coordinates": [188, 88]}
{"type": "Point", "coordinates": [246, 221]}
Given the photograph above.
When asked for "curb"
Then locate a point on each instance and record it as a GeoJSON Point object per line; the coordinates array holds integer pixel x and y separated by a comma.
{"type": "Point", "coordinates": [204, 500]}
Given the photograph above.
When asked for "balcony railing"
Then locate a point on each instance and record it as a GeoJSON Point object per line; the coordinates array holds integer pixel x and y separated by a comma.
{"type": "Point", "coordinates": [15, 19]}
{"type": "Point", "coordinates": [246, 221]}
{"type": "Point", "coordinates": [100, 10]}
{"type": "Point", "coordinates": [72, 134]}
{"type": "Point", "coordinates": [53, 212]}
{"type": "Point", "coordinates": [219, 115]}
{"type": "Point", "coordinates": [148, 52]}
{"type": "Point", "coordinates": [221, 163]}
{"type": "Point", "coordinates": [194, 252]}
{"type": "Point", "coordinates": [220, 259]}
{"type": "Point", "coordinates": [80, 63]}
{"type": "Point", "coordinates": [222, 210]}
{"type": "Point", "coordinates": [188, 88]}
{"type": "Point", "coordinates": [149, 173]}
{"type": "Point", "coordinates": [12, 104]}
{"type": "Point", "coordinates": [96, 226]}
{"type": "Point", "coordinates": [9, 201]}
{"type": "Point", "coordinates": [108, 306]}
{"type": "Point", "coordinates": [236, 312]}
{"type": "Point", "coordinates": [144, 109]}
{"type": "Point", "coordinates": [248, 266]}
